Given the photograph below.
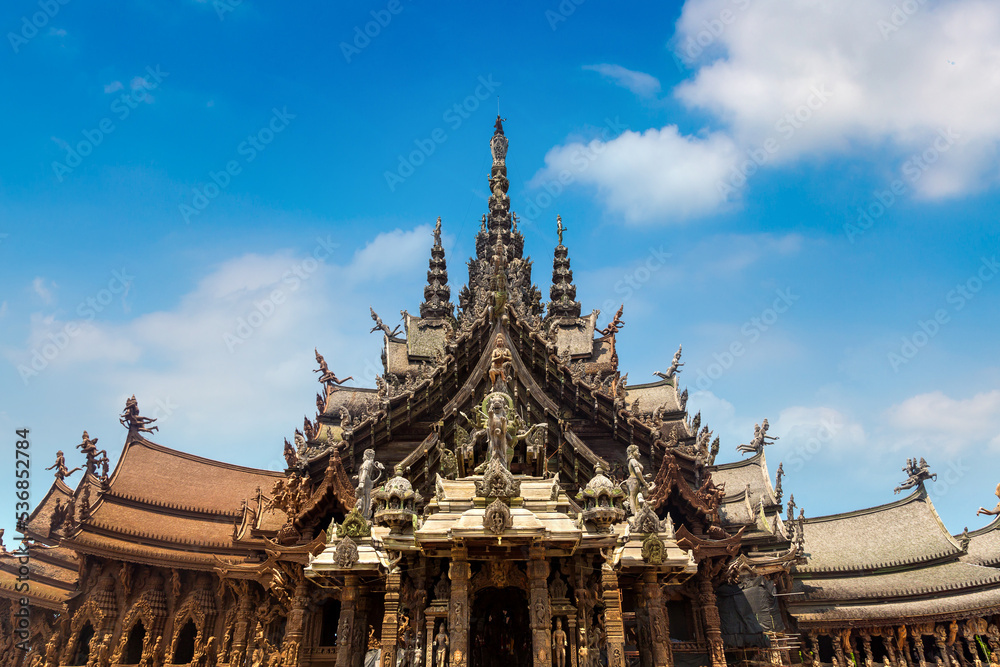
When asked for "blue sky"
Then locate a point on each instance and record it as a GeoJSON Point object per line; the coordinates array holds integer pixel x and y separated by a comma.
{"type": "Point", "coordinates": [171, 172]}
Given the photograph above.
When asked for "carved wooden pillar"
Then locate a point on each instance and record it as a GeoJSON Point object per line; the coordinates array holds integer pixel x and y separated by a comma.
{"type": "Point", "coordinates": [613, 625]}
{"type": "Point", "coordinates": [390, 619]}
{"type": "Point", "coordinates": [458, 608]}
{"type": "Point", "coordinates": [866, 646]}
{"type": "Point", "coordinates": [429, 644]}
{"type": "Point", "coordinates": [244, 610]}
{"type": "Point", "coordinates": [838, 647]}
{"type": "Point", "coordinates": [812, 647]}
{"type": "Point", "coordinates": [659, 624]}
{"type": "Point", "coordinates": [420, 603]}
{"type": "Point", "coordinates": [538, 602]}
{"type": "Point", "coordinates": [918, 643]}
{"type": "Point", "coordinates": [713, 624]}
{"type": "Point", "coordinates": [295, 626]}
{"type": "Point", "coordinates": [574, 643]}
{"type": "Point", "coordinates": [584, 607]}
{"type": "Point", "coordinates": [347, 627]}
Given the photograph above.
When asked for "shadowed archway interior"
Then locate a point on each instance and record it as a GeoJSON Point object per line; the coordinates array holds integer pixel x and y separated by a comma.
{"type": "Point", "coordinates": [500, 629]}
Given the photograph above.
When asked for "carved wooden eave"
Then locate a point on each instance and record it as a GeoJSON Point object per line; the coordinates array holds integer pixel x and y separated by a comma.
{"type": "Point", "coordinates": [334, 493]}
{"type": "Point", "coordinates": [708, 548]}
{"type": "Point", "coordinates": [670, 485]}
{"type": "Point", "coordinates": [765, 564]}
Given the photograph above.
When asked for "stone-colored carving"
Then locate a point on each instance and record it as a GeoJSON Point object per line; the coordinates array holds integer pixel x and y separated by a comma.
{"type": "Point", "coordinates": [345, 554]}
{"type": "Point", "coordinates": [646, 520]}
{"type": "Point", "coordinates": [982, 510]}
{"type": "Point", "coordinates": [917, 473]}
{"type": "Point", "coordinates": [396, 502]}
{"type": "Point", "coordinates": [380, 326]}
{"type": "Point", "coordinates": [369, 473]}
{"type": "Point", "coordinates": [636, 481]}
{"type": "Point", "coordinates": [62, 472]}
{"type": "Point", "coordinates": [133, 421]}
{"type": "Point", "coordinates": [759, 441]}
{"type": "Point", "coordinates": [675, 366]}
{"type": "Point", "coordinates": [602, 501]}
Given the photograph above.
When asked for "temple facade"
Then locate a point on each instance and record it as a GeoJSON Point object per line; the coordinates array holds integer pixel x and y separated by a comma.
{"type": "Point", "coordinates": [501, 497]}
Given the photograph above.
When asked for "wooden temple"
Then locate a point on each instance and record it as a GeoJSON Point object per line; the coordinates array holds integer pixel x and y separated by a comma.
{"type": "Point", "coordinates": [501, 497]}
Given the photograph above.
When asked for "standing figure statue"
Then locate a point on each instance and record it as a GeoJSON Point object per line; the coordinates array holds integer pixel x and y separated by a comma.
{"type": "Point", "coordinates": [559, 228]}
{"type": "Point", "coordinates": [441, 646]}
{"type": "Point", "coordinates": [90, 450]}
{"type": "Point", "coordinates": [611, 331]}
{"type": "Point", "coordinates": [559, 644]}
{"type": "Point", "coordinates": [500, 357]}
{"type": "Point", "coordinates": [62, 472]}
{"type": "Point", "coordinates": [496, 428]}
{"type": "Point", "coordinates": [635, 482]}
{"type": "Point", "coordinates": [369, 473]}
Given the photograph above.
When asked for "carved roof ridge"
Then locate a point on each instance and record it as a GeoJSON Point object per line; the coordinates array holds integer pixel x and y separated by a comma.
{"type": "Point", "coordinates": [918, 494]}
{"type": "Point", "coordinates": [756, 459]}
{"type": "Point", "coordinates": [992, 526]}
{"type": "Point", "coordinates": [138, 440]}
{"type": "Point", "coordinates": [111, 530]}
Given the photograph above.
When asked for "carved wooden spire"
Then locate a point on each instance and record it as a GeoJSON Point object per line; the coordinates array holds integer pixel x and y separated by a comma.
{"type": "Point", "coordinates": [563, 292]}
{"type": "Point", "coordinates": [437, 294]}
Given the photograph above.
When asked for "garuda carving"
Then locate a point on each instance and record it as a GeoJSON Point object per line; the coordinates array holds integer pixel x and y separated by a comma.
{"type": "Point", "coordinates": [760, 439]}
{"type": "Point", "coordinates": [918, 474]}
{"type": "Point", "coordinates": [133, 421]}
{"type": "Point", "coordinates": [993, 512]}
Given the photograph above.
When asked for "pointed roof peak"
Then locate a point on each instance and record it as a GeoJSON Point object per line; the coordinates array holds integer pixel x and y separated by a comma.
{"type": "Point", "coordinates": [437, 294]}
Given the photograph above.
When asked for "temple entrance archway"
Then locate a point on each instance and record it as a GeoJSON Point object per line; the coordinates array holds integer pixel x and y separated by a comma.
{"type": "Point", "coordinates": [499, 629]}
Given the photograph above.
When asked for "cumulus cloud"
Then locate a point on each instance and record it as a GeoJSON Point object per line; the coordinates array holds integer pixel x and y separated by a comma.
{"type": "Point", "coordinates": [653, 176]}
{"type": "Point", "coordinates": [42, 289]}
{"type": "Point", "coordinates": [791, 81]}
{"type": "Point", "coordinates": [936, 421]}
{"type": "Point", "coordinates": [640, 83]}
{"type": "Point", "coordinates": [240, 343]}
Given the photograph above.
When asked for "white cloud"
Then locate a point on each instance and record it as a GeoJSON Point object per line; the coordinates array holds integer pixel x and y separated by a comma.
{"type": "Point", "coordinates": [113, 86]}
{"type": "Point", "coordinates": [811, 80]}
{"type": "Point", "coordinates": [655, 176]}
{"type": "Point", "coordinates": [43, 290]}
{"type": "Point", "coordinates": [234, 357]}
{"type": "Point", "coordinates": [640, 83]}
{"type": "Point", "coordinates": [936, 421]}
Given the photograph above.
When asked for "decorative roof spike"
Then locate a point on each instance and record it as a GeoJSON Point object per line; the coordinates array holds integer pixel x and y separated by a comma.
{"type": "Point", "coordinates": [777, 482]}
{"type": "Point", "coordinates": [437, 295]}
{"type": "Point", "coordinates": [563, 291]}
{"type": "Point", "coordinates": [918, 472]}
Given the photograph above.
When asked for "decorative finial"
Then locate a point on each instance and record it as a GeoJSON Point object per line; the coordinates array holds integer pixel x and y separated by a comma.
{"type": "Point", "coordinates": [131, 420]}
{"type": "Point", "coordinates": [559, 228]}
{"type": "Point", "coordinates": [498, 126]}
{"type": "Point", "coordinates": [918, 473]}
{"type": "Point", "coordinates": [993, 512]}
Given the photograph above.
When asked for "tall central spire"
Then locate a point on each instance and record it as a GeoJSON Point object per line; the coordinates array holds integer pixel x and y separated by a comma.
{"type": "Point", "coordinates": [500, 245]}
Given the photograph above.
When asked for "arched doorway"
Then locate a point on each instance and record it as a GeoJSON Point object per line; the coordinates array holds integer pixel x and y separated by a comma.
{"type": "Point", "coordinates": [499, 629]}
{"type": "Point", "coordinates": [184, 653]}
{"type": "Point", "coordinates": [133, 647]}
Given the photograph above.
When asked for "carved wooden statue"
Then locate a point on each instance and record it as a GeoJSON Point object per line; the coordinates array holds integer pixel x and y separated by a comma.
{"type": "Point", "coordinates": [559, 645]}
{"type": "Point", "coordinates": [133, 421]}
{"type": "Point", "coordinates": [441, 647]}
{"type": "Point", "coordinates": [500, 357]}
{"type": "Point", "coordinates": [326, 376]}
{"type": "Point", "coordinates": [62, 472]}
